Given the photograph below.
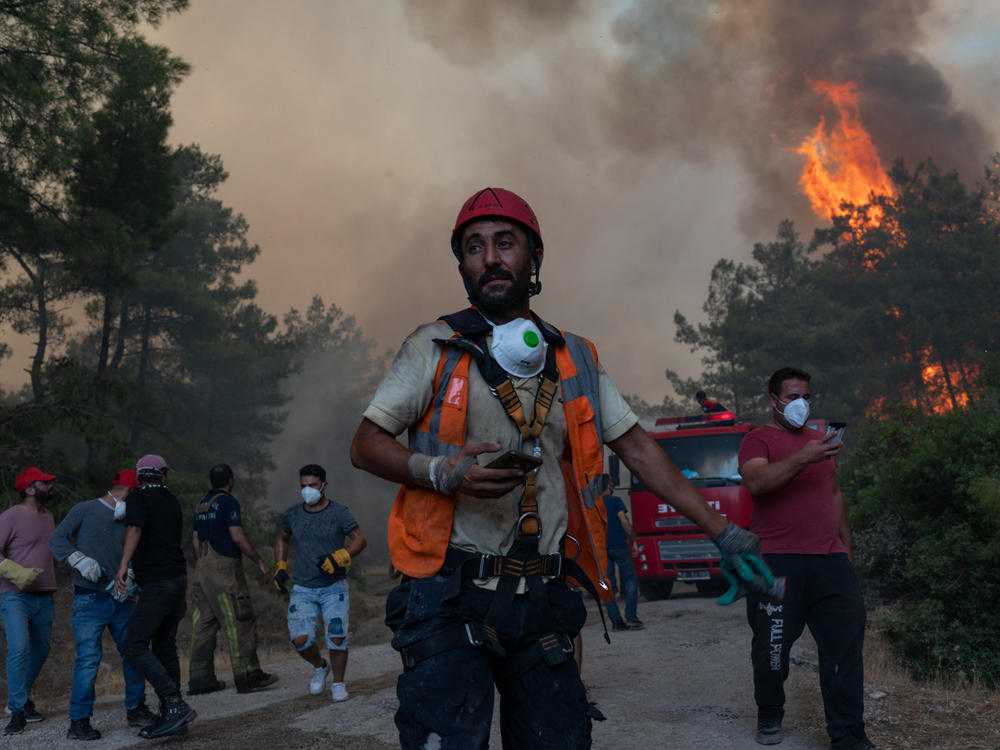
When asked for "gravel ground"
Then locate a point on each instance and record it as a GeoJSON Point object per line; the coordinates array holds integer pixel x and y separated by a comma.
{"type": "Point", "coordinates": [682, 682]}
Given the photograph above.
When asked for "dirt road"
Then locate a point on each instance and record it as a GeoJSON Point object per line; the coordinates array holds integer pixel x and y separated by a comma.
{"type": "Point", "coordinates": [683, 682]}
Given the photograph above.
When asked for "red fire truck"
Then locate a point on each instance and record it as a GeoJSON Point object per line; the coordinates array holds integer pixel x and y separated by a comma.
{"type": "Point", "coordinates": [671, 547]}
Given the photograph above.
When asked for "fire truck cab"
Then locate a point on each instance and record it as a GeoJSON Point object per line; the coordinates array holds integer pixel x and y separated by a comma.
{"type": "Point", "coordinates": [671, 547]}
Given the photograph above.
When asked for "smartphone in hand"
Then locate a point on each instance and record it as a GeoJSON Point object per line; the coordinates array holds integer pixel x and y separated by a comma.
{"type": "Point", "coordinates": [838, 429]}
{"type": "Point", "coordinates": [514, 460]}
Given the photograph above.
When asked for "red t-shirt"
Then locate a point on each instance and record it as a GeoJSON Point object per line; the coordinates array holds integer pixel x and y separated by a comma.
{"type": "Point", "coordinates": [801, 517]}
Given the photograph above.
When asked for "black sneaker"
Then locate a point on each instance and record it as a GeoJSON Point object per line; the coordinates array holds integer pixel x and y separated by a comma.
{"type": "Point", "coordinates": [202, 690]}
{"type": "Point", "coordinates": [619, 625]}
{"type": "Point", "coordinates": [31, 715]}
{"type": "Point", "coordinates": [140, 716]}
{"type": "Point", "coordinates": [769, 731]}
{"type": "Point", "coordinates": [80, 729]}
{"type": "Point", "coordinates": [256, 680]}
{"type": "Point", "coordinates": [176, 715]}
{"type": "Point", "coordinates": [635, 624]}
{"type": "Point", "coordinates": [17, 723]}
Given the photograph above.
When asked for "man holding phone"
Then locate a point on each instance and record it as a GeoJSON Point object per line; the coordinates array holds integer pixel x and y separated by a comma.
{"type": "Point", "coordinates": [799, 514]}
{"type": "Point", "coordinates": [485, 551]}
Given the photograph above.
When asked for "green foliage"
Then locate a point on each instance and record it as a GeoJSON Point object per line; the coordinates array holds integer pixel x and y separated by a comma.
{"type": "Point", "coordinates": [925, 492]}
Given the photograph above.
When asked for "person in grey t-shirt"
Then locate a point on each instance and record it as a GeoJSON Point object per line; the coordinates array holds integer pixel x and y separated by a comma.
{"type": "Point", "coordinates": [326, 539]}
{"type": "Point", "coordinates": [90, 539]}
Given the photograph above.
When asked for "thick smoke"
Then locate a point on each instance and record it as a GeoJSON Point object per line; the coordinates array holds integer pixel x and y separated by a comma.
{"type": "Point", "coordinates": [696, 78]}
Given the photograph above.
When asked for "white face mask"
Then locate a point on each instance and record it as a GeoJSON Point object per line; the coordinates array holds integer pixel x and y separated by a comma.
{"type": "Point", "coordinates": [519, 348]}
{"type": "Point", "coordinates": [311, 495]}
{"type": "Point", "coordinates": [119, 509]}
{"type": "Point", "coordinates": [796, 412]}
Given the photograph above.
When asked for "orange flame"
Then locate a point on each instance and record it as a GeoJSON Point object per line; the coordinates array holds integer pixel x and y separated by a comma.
{"type": "Point", "coordinates": [842, 165]}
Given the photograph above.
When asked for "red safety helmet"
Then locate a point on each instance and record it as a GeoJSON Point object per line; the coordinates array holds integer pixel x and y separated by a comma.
{"type": "Point", "coordinates": [495, 202]}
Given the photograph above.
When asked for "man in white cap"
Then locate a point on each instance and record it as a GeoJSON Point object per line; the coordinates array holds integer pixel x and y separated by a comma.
{"type": "Point", "coordinates": [153, 533]}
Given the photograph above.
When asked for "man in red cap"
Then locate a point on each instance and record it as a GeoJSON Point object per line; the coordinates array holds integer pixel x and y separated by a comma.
{"type": "Point", "coordinates": [27, 581]}
{"type": "Point", "coordinates": [154, 531]}
{"type": "Point", "coordinates": [90, 538]}
{"type": "Point", "coordinates": [507, 417]}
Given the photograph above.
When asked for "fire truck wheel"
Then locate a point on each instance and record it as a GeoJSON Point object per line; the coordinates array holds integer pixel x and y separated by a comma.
{"type": "Point", "coordinates": [714, 587]}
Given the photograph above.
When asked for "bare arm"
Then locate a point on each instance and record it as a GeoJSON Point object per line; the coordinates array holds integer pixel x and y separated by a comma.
{"type": "Point", "coordinates": [843, 527]}
{"type": "Point", "coordinates": [762, 477]}
{"type": "Point", "coordinates": [132, 536]}
{"type": "Point", "coordinates": [281, 546]}
{"type": "Point", "coordinates": [378, 452]}
{"type": "Point", "coordinates": [646, 460]}
{"type": "Point", "coordinates": [195, 542]}
{"type": "Point", "coordinates": [629, 532]}
{"type": "Point", "coordinates": [244, 546]}
{"type": "Point", "coordinates": [356, 542]}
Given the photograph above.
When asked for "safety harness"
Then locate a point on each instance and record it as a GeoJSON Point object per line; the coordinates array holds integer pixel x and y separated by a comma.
{"type": "Point", "coordinates": [522, 559]}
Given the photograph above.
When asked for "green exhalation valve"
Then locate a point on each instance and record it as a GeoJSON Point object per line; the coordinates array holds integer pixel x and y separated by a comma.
{"type": "Point", "coordinates": [531, 339]}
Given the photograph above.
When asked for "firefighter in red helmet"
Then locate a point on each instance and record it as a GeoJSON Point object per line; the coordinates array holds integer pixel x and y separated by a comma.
{"type": "Point", "coordinates": [507, 417]}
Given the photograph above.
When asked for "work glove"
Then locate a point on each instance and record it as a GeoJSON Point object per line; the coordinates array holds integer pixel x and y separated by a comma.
{"type": "Point", "coordinates": [87, 567]}
{"type": "Point", "coordinates": [335, 562]}
{"type": "Point", "coordinates": [19, 575]}
{"type": "Point", "coordinates": [742, 557]}
{"type": "Point", "coordinates": [130, 588]}
{"type": "Point", "coordinates": [281, 577]}
{"type": "Point", "coordinates": [752, 576]}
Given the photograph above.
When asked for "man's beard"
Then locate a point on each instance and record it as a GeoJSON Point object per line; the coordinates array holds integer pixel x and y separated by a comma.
{"type": "Point", "coordinates": [496, 304]}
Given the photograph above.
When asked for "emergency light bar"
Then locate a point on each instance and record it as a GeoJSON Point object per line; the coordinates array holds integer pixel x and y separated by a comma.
{"type": "Point", "coordinates": [714, 416]}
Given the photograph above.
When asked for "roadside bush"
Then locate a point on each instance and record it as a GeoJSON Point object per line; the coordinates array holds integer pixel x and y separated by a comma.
{"type": "Point", "coordinates": [924, 493]}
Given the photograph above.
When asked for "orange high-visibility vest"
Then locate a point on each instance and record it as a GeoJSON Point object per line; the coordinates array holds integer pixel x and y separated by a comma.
{"type": "Point", "coordinates": [421, 519]}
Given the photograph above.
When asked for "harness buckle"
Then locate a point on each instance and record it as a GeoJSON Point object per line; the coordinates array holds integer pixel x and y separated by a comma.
{"type": "Point", "coordinates": [523, 517]}
{"type": "Point", "coordinates": [472, 639]}
{"type": "Point", "coordinates": [483, 561]}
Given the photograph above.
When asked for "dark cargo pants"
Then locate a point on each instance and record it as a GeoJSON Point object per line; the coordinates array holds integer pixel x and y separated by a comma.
{"type": "Point", "coordinates": [822, 593]}
{"type": "Point", "coordinates": [221, 602]}
{"type": "Point", "coordinates": [446, 701]}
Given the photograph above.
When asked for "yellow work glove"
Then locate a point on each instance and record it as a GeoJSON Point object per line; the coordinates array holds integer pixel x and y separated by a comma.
{"type": "Point", "coordinates": [336, 562]}
{"type": "Point", "coordinates": [281, 577]}
{"type": "Point", "coordinates": [19, 575]}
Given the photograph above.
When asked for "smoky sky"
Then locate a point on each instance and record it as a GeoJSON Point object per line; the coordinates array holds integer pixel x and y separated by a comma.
{"type": "Point", "coordinates": [651, 138]}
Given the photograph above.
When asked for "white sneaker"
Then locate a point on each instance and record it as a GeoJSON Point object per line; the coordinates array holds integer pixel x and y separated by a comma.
{"type": "Point", "coordinates": [318, 679]}
{"type": "Point", "coordinates": [338, 692]}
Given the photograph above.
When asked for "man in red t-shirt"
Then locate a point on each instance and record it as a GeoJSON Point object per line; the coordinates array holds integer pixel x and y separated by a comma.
{"type": "Point", "coordinates": [799, 514]}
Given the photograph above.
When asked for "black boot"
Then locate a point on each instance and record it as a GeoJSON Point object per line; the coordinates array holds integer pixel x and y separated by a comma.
{"type": "Point", "coordinates": [80, 729]}
{"type": "Point", "coordinates": [174, 718]}
{"type": "Point", "coordinates": [140, 716]}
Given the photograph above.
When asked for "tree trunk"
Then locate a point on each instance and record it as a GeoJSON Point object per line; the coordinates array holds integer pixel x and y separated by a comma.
{"type": "Point", "coordinates": [37, 385]}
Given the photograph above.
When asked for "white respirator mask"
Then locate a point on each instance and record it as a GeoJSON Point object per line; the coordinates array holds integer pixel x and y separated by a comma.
{"type": "Point", "coordinates": [796, 412]}
{"type": "Point", "coordinates": [119, 509]}
{"type": "Point", "coordinates": [311, 495]}
{"type": "Point", "coordinates": [519, 348]}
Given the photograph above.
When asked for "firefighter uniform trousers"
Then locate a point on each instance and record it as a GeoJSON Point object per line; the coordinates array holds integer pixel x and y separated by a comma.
{"type": "Point", "coordinates": [221, 601]}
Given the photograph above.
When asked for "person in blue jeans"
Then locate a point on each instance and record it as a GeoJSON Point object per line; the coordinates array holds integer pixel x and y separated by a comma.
{"type": "Point", "coordinates": [621, 549]}
{"type": "Point", "coordinates": [27, 582]}
{"type": "Point", "coordinates": [90, 539]}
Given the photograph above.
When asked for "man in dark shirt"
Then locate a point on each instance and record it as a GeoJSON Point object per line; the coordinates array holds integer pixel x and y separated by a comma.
{"type": "Point", "coordinates": [153, 533]}
{"type": "Point", "coordinates": [621, 548]}
{"type": "Point", "coordinates": [221, 596]}
{"type": "Point", "coordinates": [326, 539]}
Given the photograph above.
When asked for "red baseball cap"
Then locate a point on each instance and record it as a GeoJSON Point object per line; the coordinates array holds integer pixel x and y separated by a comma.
{"type": "Point", "coordinates": [125, 478]}
{"type": "Point", "coordinates": [29, 475]}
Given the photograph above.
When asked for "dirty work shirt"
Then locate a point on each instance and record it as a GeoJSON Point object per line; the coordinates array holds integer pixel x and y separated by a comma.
{"type": "Point", "coordinates": [159, 556]}
{"type": "Point", "coordinates": [213, 525]}
{"type": "Point", "coordinates": [97, 534]}
{"type": "Point", "coordinates": [487, 526]}
{"type": "Point", "coordinates": [802, 517]}
{"type": "Point", "coordinates": [24, 537]}
{"type": "Point", "coordinates": [316, 535]}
